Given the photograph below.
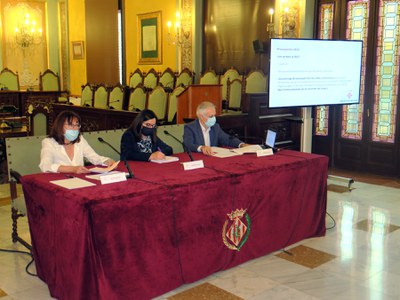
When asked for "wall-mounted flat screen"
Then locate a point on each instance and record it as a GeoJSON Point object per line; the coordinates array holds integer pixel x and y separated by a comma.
{"type": "Point", "coordinates": [306, 72]}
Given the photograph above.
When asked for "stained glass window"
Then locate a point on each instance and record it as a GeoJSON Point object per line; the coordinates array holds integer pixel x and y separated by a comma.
{"type": "Point", "coordinates": [356, 29]}
{"type": "Point", "coordinates": [321, 117]}
{"type": "Point", "coordinates": [387, 72]}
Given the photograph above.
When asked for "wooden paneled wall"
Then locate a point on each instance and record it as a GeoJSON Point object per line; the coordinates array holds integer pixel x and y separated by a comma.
{"type": "Point", "coordinates": [102, 41]}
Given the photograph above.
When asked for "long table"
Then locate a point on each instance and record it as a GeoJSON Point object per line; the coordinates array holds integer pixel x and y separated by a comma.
{"type": "Point", "coordinates": [148, 235]}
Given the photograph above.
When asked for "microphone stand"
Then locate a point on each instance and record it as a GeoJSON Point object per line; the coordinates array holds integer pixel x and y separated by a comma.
{"type": "Point", "coordinates": [101, 140]}
{"type": "Point", "coordinates": [185, 148]}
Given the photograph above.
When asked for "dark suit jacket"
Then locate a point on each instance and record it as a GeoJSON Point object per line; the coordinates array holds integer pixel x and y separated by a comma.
{"type": "Point", "coordinates": [131, 151]}
{"type": "Point", "coordinates": [193, 137]}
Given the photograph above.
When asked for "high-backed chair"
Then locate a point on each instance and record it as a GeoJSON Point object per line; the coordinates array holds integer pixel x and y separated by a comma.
{"type": "Point", "coordinates": [49, 81]}
{"type": "Point", "coordinates": [112, 137]}
{"type": "Point", "coordinates": [136, 78]}
{"type": "Point", "coordinates": [137, 99]}
{"type": "Point", "coordinates": [177, 131]}
{"type": "Point", "coordinates": [230, 74]}
{"type": "Point", "coordinates": [209, 77]}
{"type": "Point", "coordinates": [172, 104]}
{"type": "Point", "coordinates": [150, 80]}
{"type": "Point", "coordinates": [9, 80]}
{"type": "Point", "coordinates": [234, 96]}
{"type": "Point", "coordinates": [157, 102]}
{"type": "Point", "coordinates": [87, 95]}
{"type": "Point", "coordinates": [100, 96]}
{"type": "Point", "coordinates": [38, 113]}
{"type": "Point", "coordinates": [19, 164]}
{"type": "Point", "coordinates": [185, 78]}
{"type": "Point", "coordinates": [116, 97]}
{"type": "Point", "coordinates": [255, 82]}
{"type": "Point", "coordinates": [167, 80]}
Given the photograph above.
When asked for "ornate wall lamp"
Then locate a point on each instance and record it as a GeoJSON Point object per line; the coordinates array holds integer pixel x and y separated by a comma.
{"type": "Point", "coordinates": [288, 20]}
{"type": "Point", "coordinates": [181, 35]}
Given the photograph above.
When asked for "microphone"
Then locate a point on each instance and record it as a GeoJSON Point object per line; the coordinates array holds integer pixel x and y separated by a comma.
{"type": "Point", "coordinates": [185, 148]}
{"type": "Point", "coordinates": [133, 108]}
{"type": "Point", "coordinates": [101, 140]}
{"type": "Point", "coordinates": [111, 107]}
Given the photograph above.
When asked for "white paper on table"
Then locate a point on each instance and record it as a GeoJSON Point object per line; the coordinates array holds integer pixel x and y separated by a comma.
{"type": "Point", "coordinates": [167, 159]}
{"type": "Point", "coordinates": [223, 152]}
{"type": "Point", "coordinates": [72, 183]}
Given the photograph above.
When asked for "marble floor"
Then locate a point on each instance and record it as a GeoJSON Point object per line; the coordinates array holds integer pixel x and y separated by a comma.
{"type": "Point", "coordinates": [359, 258]}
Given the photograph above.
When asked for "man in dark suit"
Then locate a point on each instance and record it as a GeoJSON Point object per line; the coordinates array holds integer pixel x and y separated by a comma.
{"type": "Point", "coordinates": [204, 133]}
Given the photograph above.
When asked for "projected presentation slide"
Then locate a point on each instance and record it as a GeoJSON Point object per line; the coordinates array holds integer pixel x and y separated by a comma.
{"type": "Point", "coordinates": [314, 72]}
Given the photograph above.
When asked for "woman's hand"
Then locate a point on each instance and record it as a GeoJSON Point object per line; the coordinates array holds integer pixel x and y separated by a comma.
{"type": "Point", "coordinates": [109, 162]}
{"type": "Point", "coordinates": [157, 155]}
{"type": "Point", "coordinates": [81, 170]}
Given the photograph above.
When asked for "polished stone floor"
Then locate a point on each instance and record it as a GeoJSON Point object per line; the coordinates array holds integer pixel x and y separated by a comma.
{"type": "Point", "coordinates": [359, 258]}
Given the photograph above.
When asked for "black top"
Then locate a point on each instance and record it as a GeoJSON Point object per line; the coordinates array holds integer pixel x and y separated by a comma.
{"type": "Point", "coordinates": [131, 151]}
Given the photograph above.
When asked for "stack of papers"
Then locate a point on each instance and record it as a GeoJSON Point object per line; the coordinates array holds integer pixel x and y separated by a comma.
{"type": "Point", "coordinates": [167, 159]}
{"type": "Point", "coordinates": [224, 152]}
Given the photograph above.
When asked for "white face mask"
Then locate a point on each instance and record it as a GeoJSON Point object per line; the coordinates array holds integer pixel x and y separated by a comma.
{"type": "Point", "coordinates": [211, 122]}
{"type": "Point", "coordinates": [71, 135]}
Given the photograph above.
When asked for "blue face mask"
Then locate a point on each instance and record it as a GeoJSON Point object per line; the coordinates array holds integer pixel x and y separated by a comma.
{"type": "Point", "coordinates": [71, 135]}
{"type": "Point", "coordinates": [211, 122]}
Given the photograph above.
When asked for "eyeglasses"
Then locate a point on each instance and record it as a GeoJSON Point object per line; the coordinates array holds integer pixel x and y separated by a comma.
{"type": "Point", "coordinates": [72, 126]}
{"type": "Point", "coordinates": [148, 125]}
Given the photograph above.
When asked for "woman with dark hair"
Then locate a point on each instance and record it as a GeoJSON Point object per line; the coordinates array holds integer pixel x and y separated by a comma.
{"type": "Point", "coordinates": [140, 141]}
{"type": "Point", "coordinates": [64, 149]}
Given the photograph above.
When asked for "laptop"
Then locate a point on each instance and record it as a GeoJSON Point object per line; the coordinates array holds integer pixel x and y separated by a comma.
{"type": "Point", "coordinates": [270, 139]}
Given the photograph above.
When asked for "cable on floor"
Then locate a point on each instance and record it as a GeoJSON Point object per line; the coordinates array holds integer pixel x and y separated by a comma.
{"type": "Point", "coordinates": [22, 252]}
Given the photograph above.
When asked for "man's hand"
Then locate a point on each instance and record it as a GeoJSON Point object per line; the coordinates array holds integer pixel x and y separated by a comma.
{"type": "Point", "coordinates": [206, 150]}
{"type": "Point", "coordinates": [244, 145]}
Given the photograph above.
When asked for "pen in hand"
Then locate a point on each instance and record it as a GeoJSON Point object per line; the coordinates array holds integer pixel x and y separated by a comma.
{"type": "Point", "coordinates": [159, 149]}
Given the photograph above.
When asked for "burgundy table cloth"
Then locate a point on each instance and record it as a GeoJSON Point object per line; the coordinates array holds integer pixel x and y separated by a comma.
{"type": "Point", "coordinates": [148, 235]}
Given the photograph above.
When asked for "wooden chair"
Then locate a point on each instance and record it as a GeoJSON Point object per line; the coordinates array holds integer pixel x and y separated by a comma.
{"type": "Point", "coordinates": [38, 112]}
{"type": "Point", "coordinates": [19, 164]}
{"type": "Point", "coordinates": [100, 96]}
{"type": "Point", "coordinates": [49, 81]}
{"type": "Point", "coordinates": [230, 74]}
{"type": "Point", "coordinates": [116, 97]}
{"type": "Point", "coordinates": [9, 80]}
{"type": "Point", "coordinates": [167, 80]}
{"type": "Point", "coordinates": [87, 95]}
{"type": "Point", "coordinates": [172, 104]}
{"type": "Point", "coordinates": [137, 99]}
{"type": "Point", "coordinates": [150, 80]}
{"type": "Point", "coordinates": [255, 82]}
{"type": "Point", "coordinates": [157, 102]}
{"type": "Point", "coordinates": [209, 77]}
{"type": "Point", "coordinates": [185, 78]}
{"type": "Point", "coordinates": [136, 78]}
{"type": "Point", "coordinates": [234, 96]}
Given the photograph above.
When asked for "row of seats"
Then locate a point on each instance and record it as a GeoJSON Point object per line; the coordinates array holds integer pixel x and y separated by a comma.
{"type": "Point", "coordinates": [48, 80]}
{"type": "Point", "coordinates": [234, 84]}
{"type": "Point", "coordinates": [119, 97]}
{"type": "Point", "coordinates": [167, 79]}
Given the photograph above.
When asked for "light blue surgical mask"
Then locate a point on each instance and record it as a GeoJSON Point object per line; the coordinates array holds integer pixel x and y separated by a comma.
{"type": "Point", "coordinates": [211, 122]}
{"type": "Point", "coordinates": [71, 135]}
